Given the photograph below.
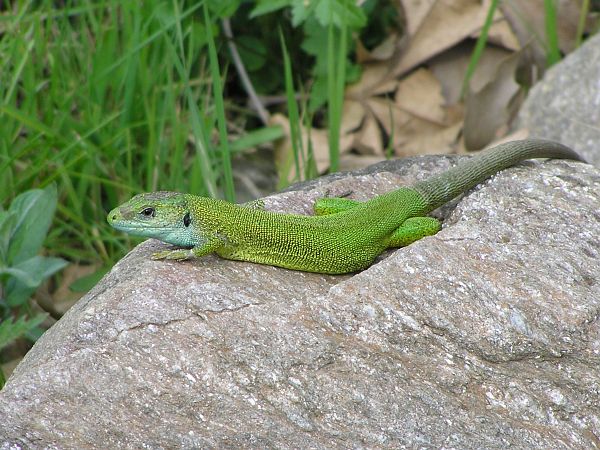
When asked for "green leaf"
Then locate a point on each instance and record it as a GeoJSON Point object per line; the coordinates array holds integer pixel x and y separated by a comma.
{"type": "Point", "coordinates": [8, 220]}
{"type": "Point", "coordinates": [25, 278]}
{"type": "Point", "coordinates": [341, 13]}
{"type": "Point", "coordinates": [18, 289]}
{"type": "Point", "coordinates": [222, 9]}
{"type": "Point", "coordinates": [268, 6]}
{"type": "Point", "coordinates": [337, 12]}
{"type": "Point", "coordinates": [45, 266]}
{"type": "Point", "coordinates": [252, 51]}
{"type": "Point", "coordinates": [9, 330]}
{"type": "Point", "coordinates": [34, 209]}
{"type": "Point", "coordinates": [551, 22]}
{"type": "Point", "coordinates": [301, 11]}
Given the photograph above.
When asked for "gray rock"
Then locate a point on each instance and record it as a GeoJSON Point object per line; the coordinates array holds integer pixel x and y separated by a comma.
{"type": "Point", "coordinates": [483, 336]}
{"type": "Point", "coordinates": [565, 105]}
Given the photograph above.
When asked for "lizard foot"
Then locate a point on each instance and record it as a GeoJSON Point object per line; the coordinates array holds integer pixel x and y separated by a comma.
{"type": "Point", "coordinates": [178, 255]}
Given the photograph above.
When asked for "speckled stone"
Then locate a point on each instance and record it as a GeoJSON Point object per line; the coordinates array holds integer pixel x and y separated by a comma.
{"type": "Point", "coordinates": [485, 335]}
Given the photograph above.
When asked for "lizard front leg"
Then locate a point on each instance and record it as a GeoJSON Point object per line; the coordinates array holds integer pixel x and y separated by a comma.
{"type": "Point", "coordinates": [209, 246]}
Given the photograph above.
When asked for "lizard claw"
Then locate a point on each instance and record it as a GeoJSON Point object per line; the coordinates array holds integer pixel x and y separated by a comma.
{"type": "Point", "coordinates": [177, 255]}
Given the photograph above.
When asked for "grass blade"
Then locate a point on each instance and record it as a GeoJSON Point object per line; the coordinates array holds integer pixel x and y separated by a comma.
{"type": "Point", "coordinates": [479, 46]}
{"type": "Point", "coordinates": [220, 110]}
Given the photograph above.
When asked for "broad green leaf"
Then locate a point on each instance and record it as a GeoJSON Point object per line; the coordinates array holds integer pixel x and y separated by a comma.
{"type": "Point", "coordinates": [39, 268]}
{"type": "Point", "coordinates": [340, 13]}
{"type": "Point", "coordinates": [8, 220]}
{"type": "Point", "coordinates": [44, 266]}
{"type": "Point", "coordinates": [222, 9]}
{"type": "Point", "coordinates": [34, 210]}
{"type": "Point", "coordinates": [25, 278]}
{"type": "Point", "coordinates": [337, 12]}
{"type": "Point", "coordinates": [252, 51]}
{"type": "Point", "coordinates": [301, 11]}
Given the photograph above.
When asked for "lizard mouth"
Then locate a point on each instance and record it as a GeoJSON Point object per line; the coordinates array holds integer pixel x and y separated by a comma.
{"type": "Point", "coordinates": [141, 228]}
{"type": "Point", "coordinates": [118, 222]}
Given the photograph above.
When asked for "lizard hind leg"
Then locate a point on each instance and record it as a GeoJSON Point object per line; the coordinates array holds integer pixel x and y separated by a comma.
{"type": "Point", "coordinates": [413, 229]}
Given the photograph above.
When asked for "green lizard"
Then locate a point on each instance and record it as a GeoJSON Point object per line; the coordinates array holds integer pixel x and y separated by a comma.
{"type": "Point", "coordinates": [344, 236]}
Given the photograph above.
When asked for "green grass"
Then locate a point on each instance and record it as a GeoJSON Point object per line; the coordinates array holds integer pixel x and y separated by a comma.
{"type": "Point", "coordinates": [336, 82]}
{"type": "Point", "coordinates": [479, 47]}
{"type": "Point", "coordinates": [108, 99]}
{"type": "Point", "coordinates": [551, 23]}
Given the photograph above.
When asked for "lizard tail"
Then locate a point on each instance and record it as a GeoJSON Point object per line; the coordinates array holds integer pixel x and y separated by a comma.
{"type": "Point", "coordinates": [442, 188]}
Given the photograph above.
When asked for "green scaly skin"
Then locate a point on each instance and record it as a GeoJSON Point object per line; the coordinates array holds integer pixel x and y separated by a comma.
{"type": "Point", "coordinates": [344, 236]}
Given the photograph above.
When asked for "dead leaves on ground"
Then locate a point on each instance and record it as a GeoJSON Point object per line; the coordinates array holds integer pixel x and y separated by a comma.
{"type": "Point", "coordinates": [408, 100]}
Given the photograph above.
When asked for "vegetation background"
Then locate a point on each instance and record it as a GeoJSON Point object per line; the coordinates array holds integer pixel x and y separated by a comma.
{"type": "Point", "coordinates": [100, 100]}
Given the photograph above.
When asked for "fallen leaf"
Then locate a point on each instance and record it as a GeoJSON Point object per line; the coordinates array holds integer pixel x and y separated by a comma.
{"type": "Point", "coordinates": [447, 22]}
{"type": "Point", "coordinates": [353, 161]}
{"type": "Point", "coordinates": [383, 52]}
{"type": "Point", "coordinates": [376, 79]}
{"type": "Point", "coordinates": [368, 139]}
{"type": "Point", "coordinates": [501, 34]}
{"type": "Point", "coordinates": [527, 19]}
{"type": "Point", "coordinates": [416, 11]}
{"type": "Point", "coordinates": [421, 137]}
{"type": "Point", "coordinates": [490, 108]}
{"type": "Point", "coordinates": [450, 68]}
{"type": "Point", "coordinates": [421, 95]}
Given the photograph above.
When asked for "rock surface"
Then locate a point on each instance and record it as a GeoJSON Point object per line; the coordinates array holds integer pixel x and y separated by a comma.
{"type": "Point", "coordinates": [483, 336]}
{"type": "Point", "coordinates": [565, 105]}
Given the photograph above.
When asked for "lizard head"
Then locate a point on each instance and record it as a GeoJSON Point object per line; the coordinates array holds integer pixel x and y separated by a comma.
{"type": "Point", "coordinates": [160, 215]}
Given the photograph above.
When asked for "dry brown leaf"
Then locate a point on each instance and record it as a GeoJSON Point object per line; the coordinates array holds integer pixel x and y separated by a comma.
{"type": "Point", "coordinates": [527, 19]}
{"type": "Point", "coordinates": [383, 52]}
{"type": "Point", "coordinates": [450, 68]}
{"type": "Point", "coordinates": [376, 79]}
{"type": "Point", "coordinates": [391, 118]}
{"type": "Point", "coordinates": [421, 95]}
{"type": "Point", "coordinates": [490, 108]}
{"type": "Point", "coordinates": [368, 139]}
{"type": "Point", "coordinates": [353, 115]}
{"type": "Point", "coordinates": [352, 161]}
{"type": "Point", "coordinates": [447, 23]}
{"type": "Point", "coordinates": [415, 12]}
{"type": "Point", "coordinates": [420, 137]}
{"type": "Point", "coordinates": [517, 135]}
{"type": "Point", "coordinates": [501, 34]}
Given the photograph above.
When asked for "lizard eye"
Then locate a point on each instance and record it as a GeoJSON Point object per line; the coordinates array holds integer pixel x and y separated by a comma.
{"type": "Point", "coordinates": [148, 212]}
{"type": "Point", "coordinates": [187, 220]}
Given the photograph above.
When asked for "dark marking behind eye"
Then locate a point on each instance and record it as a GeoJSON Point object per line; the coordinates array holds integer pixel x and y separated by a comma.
{"type": "Point", "coordinates": [187, 220]}
{"type": "Point", "coordinates": [148, 212]}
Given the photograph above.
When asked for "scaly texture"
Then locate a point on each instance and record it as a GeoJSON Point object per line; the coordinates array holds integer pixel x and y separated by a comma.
{"type": "Point", "coordinates": [348, 238]}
